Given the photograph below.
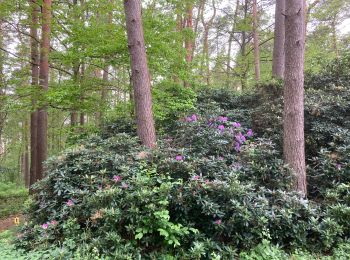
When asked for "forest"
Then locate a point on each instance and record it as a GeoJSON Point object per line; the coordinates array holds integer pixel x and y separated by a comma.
{"type": "Point", "coordinates": [175, 129]}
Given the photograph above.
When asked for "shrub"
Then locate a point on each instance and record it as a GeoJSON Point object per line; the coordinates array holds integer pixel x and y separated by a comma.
{"type": "Point", "coordinates": [12, 199]}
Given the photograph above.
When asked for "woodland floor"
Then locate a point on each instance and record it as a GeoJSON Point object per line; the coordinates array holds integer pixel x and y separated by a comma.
{"type": "Point", "coordinates": [8, 222]}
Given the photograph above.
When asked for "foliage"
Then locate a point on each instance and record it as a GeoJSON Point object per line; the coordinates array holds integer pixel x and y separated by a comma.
{"type": "Point", "coordinates": [171, 101]}
{"type": "Point", "coordinates": [209, 189]}
{"type": "Point", "coordinates": [11, 199]}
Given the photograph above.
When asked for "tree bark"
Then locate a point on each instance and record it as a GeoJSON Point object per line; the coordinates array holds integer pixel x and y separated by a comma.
{"type": "Point", "coordinates": [189, 27]}
{"type": "Point", "coordinates": [26, 172]}
{"type": "Point", "coordinates": [35, 83]}
{"type": "Point", "coordinates": [140, 74]}
{"type": "Point", "coordinates": [256, 41]}
{"type": "Point", "coordinates": [44, 84]}
{"type": "Point", "coordinates": [278, 46]}
{"type": "Point", "coordinates": [293, 134]}
{"type": "Point", "coordinates": [207, 25]}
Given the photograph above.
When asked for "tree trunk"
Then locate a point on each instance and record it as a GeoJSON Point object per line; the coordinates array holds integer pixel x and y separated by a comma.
{"type": "Point", "coordinates": [256, 41]}
{"type": "Point", "coordinates": [293, 134]}
{"type": "Point", "coordinates": [44, 84]}
{"type": "Point", "coordinates": [189, 27]}
{"type": "Point", "coordinates": [206, 57]}
{"type": "Point", "coordinates": [140, 74]}
{"type": "Point", "coordinates": [230, 41]}
{"type": "Point", "coordinates": [26, 173]}
{"type": "Point", "coordinates": [35, 82]}
{"type": "Point", "coordinates": [245, 63]}
{"type": "Point", "coordinates": [278, 46]}
{"type": "Point", "coordinates": [73, 118]}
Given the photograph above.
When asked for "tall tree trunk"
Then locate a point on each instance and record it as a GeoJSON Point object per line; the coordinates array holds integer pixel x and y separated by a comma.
{"type": "Point", "coordinates": [244, 64]}
{"type": "Point", "coordinates": [26, 172]}
{"type": "Point", "coordinates": [35, 83]}
{"type": "Point", "coordinates": [278, 46]}
{"type": "Point", "coordinates": [293, 134]}
{"type": "Point", "coordinates": [256, 41]}
{"type": "Point", "coordinates": [334, 37]}
{"type": "Point", "coordinates": [189, 27]}
{"type": "Point", "coordinates": [230, 41]}
{"type": "Point", "coordinates": [140, 74]}
{"type": "Point", "coordinates": [206, 56]}
{"type": "Point", "coordinates": [44, 84]}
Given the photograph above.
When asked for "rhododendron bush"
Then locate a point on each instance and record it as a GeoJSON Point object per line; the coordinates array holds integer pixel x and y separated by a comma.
{"type": "Point", "coordinates": [211, 181]}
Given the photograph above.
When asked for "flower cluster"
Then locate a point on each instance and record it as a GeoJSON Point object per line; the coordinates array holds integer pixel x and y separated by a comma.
{"type": "Point", "coordinates": [70, 203]}
{"type": "Point", "coordinates": [224, 125]}
{"type": "Point", "coordinates": [192, 118]}
{"type": "Point", "coordinates": [52, 223]}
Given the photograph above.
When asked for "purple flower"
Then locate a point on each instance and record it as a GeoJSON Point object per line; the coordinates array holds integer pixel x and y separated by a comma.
{"type": "Point", "coordinates": [221, 158]}
{"type": "Point", "coordinates": [70, 203]}
{"type": "Point", "coordinates": [338, 166]}
{"type": "Point", "coordinates": [125, 185]}
{"type": "Point", "coordinates": [240, 138]}
{"type": "Point", "coordinates": [222, 119]}
{"type": "Point", "coordinates": [194, 117]}
{"type": "Point", "coordinates": [250, 133]}
{"type": "Point", "coordinates": [218, 222]}
{"type": "Point", "coordinates": [179, 157]}
{"type": "Point", "coordinates": [236, 124]}
{"type": "Point", "coordinates": [221, 127]}
{"type": "Point", "coordinates": [45, 226]}
{"type": "Point", "coordinates": [238, 147]}
{"type": "Point", "coordinates": [117, 178]}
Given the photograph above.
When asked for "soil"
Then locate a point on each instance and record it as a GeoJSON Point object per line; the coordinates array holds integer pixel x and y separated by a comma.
{"type": "Point", "coordinates": [8, 223]}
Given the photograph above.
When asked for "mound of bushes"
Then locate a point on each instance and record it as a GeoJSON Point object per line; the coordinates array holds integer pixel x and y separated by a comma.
{"type": "Point", "coordinates": [210, 189]}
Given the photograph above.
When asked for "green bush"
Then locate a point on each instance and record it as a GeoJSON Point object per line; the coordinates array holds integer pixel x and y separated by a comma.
{"type": "Point", "coordinates": [12, 199]}
{"type": "Point", "coordinates": [206, 191]}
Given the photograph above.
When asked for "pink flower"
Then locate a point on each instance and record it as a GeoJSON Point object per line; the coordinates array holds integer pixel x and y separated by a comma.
{"type": "Point", "coordinates": [207, 182]}
{"type": "Point", "coordinates": [125, 185]}
{"type": "Point", "coordinates": [45, 226]}
{"type": "Point", "coordinates": [218, 222]}
{"type": "Point", "coordinates": [194, 117]}
{"type": "Point", "coordinates": [179, 157]}
{"type": "Point", "coordinates": [250, 133]}
{"type": "Point", "coordinates": [117, 178]}
{"type": "Point", "coordinates": [222, 118]}
{"type": "Point", "coordinates": [54, 222]}
{"type": "Point", "coordinates": [70, 203]}
{"type": "Point", "coordinates": [236, 124]}
{"type": "Point", "coordinates": [196, 177]}
{"type": "Point", "coordinates": [221, 127]}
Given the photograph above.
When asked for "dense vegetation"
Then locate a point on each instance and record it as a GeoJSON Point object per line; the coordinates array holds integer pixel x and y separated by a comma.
{"type": "Point", "coordinates": [212, 188]}
{"type": "Point", "coordinates": [174, 129]}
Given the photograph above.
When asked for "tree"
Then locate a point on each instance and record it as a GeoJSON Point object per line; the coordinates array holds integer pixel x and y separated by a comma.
{"type": "Point", "coordinates": [293, 128]}
{"type": "Point", "coordinates": [34, 49]}
{"type": "Point", "coordinates": [140, 74]}
{"type": "Point", "coordinates": [256, 42]}
{"type": "Point", "coordinates": [278, 46]}
{"type": "Point", "coordinates": [44, 84]}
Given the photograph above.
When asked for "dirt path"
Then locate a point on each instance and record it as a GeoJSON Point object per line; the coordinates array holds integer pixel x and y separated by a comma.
{"type": "Point", "coordinates": [8, 222]}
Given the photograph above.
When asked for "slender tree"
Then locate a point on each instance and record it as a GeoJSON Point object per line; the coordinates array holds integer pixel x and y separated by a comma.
{"type": "Point", "coordinates": [189, 27]}
{"type": "Point", "coordinates": [140, 74]}
{"type": "Point", "coordinates": [206, 27]}
{"type": "Point", "coordinates": [278, 46]}
{"type": "Point", "coordinates": [293, 136]}
{"type": "Point", "coordinates": [34, 49]}
{"type": "Point", "coordinates": [256, 41]}
{"type": "Point", "coordinates": [44, 84]}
